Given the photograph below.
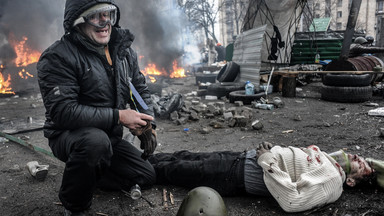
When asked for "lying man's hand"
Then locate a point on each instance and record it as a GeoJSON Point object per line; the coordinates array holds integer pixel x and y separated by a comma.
{"type": "Point", "coordinates": [262, 148]}
{"type": "Point", "coordinates": [147, 136]}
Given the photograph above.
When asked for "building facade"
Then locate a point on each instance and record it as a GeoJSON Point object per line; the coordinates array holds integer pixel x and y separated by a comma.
{"type": "Point", "coordinates": [369, 20]}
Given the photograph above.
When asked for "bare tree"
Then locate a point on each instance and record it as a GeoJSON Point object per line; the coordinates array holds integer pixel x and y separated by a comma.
{"type": "Point", "coordinates": [236, 10]}
{"type": "Point", "coordinates": [202, 14]}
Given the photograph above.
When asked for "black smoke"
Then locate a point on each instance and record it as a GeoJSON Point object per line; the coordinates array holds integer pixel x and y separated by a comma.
{"type": "Point", "coordinates": [158, 31]}
{"type": "Point", "coordinates": [38, 20]}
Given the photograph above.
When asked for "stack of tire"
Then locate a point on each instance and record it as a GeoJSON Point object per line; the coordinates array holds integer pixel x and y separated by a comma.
{"type": "Point", "coordinates": [347, 88]}
{"type": "Point", "coordinates": [226, 81]}
{"type": "Point", "coordinates": [350, 88]}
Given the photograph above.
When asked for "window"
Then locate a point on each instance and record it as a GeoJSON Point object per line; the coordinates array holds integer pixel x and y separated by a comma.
{"type": "Point", "coordinates": [380, 5]}
{"type": "Point", "coordinates": [339, 14]}
{"type": "Point", "coordinates": [339, 3]}
{"type": "Point", "coordinates": [338, 26]}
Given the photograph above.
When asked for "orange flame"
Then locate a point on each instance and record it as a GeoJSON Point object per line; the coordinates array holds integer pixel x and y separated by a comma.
{"type": "Point", "coordinates": [4, 84]}
{"type": "Point", "coordinates": [24, 74]}
{"type": "Point", "coordinates": [152, 79]}
{"type": "Point", "coordinates": [152, 69]}
{"type": "Point", "coordinates": [177, 72]}
{"type": "Point", "coordinates": [25, 54]}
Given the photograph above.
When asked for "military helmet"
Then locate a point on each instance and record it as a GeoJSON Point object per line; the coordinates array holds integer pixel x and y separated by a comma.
{"type": "Point", "coordinates": [202, 201]}
{"type": "Point", "coordinates": [360, 40]}
{"type": "Point", "coordinates": [370, 39]}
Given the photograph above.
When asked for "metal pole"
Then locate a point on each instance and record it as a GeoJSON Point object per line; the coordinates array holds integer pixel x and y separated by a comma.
{"type": "Point", "coordinates": [350, 30]}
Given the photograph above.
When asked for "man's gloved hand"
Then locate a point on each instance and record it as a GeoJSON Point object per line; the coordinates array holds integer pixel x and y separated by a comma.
{"type": "Point", "coordinates": [147, 136]}
{"type": "Point", "coordinates": [378, 166]}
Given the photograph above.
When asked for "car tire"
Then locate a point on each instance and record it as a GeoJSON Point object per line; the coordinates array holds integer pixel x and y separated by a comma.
{"type": "Point", "coordinates": [229, 72]}
{"type": "Point", "coordinates": [346, 94]}
{"type": "Point", "coordinates": [351, 80]}
{"type": "Point", "coordinates": [247, 99]}
{"type": "Point", "coordinates": [224, 88]}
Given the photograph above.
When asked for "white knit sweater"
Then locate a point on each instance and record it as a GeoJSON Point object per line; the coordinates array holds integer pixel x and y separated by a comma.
{"type": "Point", "coordinates": [301, 178]}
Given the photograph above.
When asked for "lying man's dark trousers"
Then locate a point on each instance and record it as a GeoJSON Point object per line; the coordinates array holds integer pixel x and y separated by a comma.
{"type": "Point", "coordinates": [222, 171]}
{"type": "Point", "coordinates": [92, 160]}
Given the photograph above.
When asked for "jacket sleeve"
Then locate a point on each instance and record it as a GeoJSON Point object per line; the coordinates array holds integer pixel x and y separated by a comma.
{"type": "Point", "coordinates": [58, 83]}
{"type": "Point", "coordinates": [139, 81]}
{"type": "Point", "coordinates": [311, 189]}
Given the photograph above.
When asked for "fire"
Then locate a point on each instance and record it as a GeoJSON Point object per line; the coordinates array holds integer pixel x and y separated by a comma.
{"type": "Point", "coordinates": [25, 54]}
{"type": "Point", "coordinates": [177, 72]}
{"type": "Point", "coordinates": [151, 70]}
{"type": "Point", "coordinates": [24, 74]}
{"type": "Point", "coordinates": [4, 84]}
{"type": "Point", "coordinates": [152, 79]}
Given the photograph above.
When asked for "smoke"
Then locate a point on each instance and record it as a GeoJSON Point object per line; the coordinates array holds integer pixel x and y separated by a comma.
{"type": "Point", "coordinates": [159, 35]}
{"type": "Point", "coordinates": [38, 20]}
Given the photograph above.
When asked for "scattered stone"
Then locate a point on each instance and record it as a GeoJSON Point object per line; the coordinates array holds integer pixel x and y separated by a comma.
{"type": "Point", "coordinates": [371, 104]}
{"type": "Point", "coordinates": [381, 130]}
{"type": "Point", "coordinates": [193, 93]}
{"type": "Point", "coordinates": [239, 103]}
{"type": "Point", "coordinates": [220, 104]}
{"type": "Point", "coordinates": [194, 116]}
{"type": "Point", "coordinates": [195, 102]}
{"type": "Point", "coordinates": [297, 117]}
{"type": "Point", "coordinates": [210, 97]}
{"type": "Point", "coordinates": [216, 124]}
{"type": "Point", "coordinates": [181, 121]}
{"type": "Point", "coordinates": [376, 112]}
{"type": "Point", "coordinates": [326, 124]}
{"type": "Point", "coordinates": [241, 121]}
{"type": "Point", "coordinates": [257, 125]}
{"type": "Point", "coordinates": [173, 116]}
{"type": "Point", "coordinates": [13, 169]}
{"type": "Point", "coordinates": [25, 137]}
{"type": "Point", "coordinates": [206, 130]}
{"type": "Point", "coordinates": [202, 92]}
{"type": "Point", "coordinates": [278, 102]}
{"type": "Point", "coordinates": [228, 115]}
{"type": "Point", "coordinates": [247, 113]}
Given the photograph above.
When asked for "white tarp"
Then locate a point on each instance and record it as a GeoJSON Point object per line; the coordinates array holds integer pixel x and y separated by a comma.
{"type": "Point", "coordinates": [282, 14]}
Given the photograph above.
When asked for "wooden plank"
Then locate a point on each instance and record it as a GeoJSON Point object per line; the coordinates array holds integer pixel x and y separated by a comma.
{"type": "Point", "coordinates": [22, 142]}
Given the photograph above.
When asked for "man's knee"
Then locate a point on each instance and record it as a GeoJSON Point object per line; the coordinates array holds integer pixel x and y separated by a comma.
{"type": "Point", "coordinates": [95, 145]}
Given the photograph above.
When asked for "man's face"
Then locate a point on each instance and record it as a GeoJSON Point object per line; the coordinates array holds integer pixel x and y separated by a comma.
{"type": "Point", "coordinates": [359, 169]}
{"type": "Point", "coordinates": [100, 35]}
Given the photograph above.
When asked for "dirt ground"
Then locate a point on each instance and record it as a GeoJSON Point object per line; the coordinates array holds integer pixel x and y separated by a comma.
{"type": "Point", "coordinates": [304, 120]}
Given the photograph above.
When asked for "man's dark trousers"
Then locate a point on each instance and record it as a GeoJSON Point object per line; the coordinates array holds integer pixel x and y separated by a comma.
{"type": "Point", "coordinates": [222, 171]}
{"type": "Point", "coordinates": [92, 160]}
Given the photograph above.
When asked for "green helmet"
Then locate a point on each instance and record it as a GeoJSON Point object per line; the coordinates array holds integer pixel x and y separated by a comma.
{"type": "Point", "coordinates": [360, 40]}
{"type": "Point", "coordinates": [202, 201]}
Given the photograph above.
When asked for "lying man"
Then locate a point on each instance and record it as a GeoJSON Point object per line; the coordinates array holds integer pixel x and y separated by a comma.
{"type": "Point", "coordinates": [298, 178]}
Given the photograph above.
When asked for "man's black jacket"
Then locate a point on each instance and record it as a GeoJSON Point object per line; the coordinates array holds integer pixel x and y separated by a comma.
{"type": "Point", "coordinates": [79, 87]}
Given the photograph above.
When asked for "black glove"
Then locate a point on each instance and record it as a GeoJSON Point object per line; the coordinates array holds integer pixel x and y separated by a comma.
{"type": "Point", "coordinates": [147, 136]}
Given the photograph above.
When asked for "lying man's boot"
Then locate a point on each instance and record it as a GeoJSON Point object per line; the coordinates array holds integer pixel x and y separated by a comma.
{"type": "Point", "coordinates": [37, 171]}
